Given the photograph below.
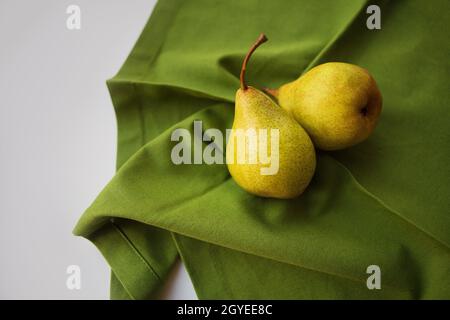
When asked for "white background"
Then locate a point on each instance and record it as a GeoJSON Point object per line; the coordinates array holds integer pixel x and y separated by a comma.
{"type": "Point", "coordinates": [58, 141]}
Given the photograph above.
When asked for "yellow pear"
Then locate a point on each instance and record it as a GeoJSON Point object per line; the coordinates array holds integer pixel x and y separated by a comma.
{"type": "Point", "coordinates": [337, 103]}
{"type": "Point", "coordinates": [268, 153]}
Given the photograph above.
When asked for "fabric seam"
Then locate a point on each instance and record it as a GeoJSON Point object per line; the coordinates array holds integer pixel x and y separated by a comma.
{"type": "Point", "coordinates": [134, 249]}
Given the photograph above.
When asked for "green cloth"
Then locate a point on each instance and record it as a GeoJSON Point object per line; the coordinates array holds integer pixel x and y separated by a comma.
{"type": "Point", "coordinates": [384, 202]}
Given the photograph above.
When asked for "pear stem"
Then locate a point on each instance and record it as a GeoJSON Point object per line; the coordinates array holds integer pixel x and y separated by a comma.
{"type": "Point", "coordinates": [272, 92]}
{"type": "Point", "coordinates": [261, 39]}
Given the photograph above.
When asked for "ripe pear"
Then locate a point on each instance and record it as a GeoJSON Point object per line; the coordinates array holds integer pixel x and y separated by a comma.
{"type": "Point", "coordinates": [337, 103]}
{"type": "Point", "coordinates": [254, 110]}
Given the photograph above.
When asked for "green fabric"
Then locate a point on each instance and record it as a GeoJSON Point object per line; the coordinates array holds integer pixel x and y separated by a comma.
{"type": "Point", "coordinates": [384, 202]}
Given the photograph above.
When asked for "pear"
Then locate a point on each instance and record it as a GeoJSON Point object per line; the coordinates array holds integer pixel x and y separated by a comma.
{"type": "Point", "coordinates": [337, 103]}
{"type": "Point", "coordinates": [293, 159]}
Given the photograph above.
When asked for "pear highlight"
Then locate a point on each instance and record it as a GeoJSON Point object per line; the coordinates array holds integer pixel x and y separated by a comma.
{"type": "Point", "coordinates": [338, 104]}
{"type": "Point", "coordinates": [268, 129]}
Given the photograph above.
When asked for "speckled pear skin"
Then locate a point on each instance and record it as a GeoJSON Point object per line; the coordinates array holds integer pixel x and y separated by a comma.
{"type": "Point", "coordinates": [297, 159]}
{"type": "Point", "coordinates": [338, 104]}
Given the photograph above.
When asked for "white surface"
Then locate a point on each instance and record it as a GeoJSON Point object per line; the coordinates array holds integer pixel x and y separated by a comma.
{"type": "Point", "coordinates": [58, 140]}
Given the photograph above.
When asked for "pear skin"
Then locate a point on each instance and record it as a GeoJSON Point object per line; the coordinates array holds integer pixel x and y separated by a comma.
{"type": "Point", "coordinates": [338, 104]}
{"type": "Point", "coordinates": [296, 154]}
